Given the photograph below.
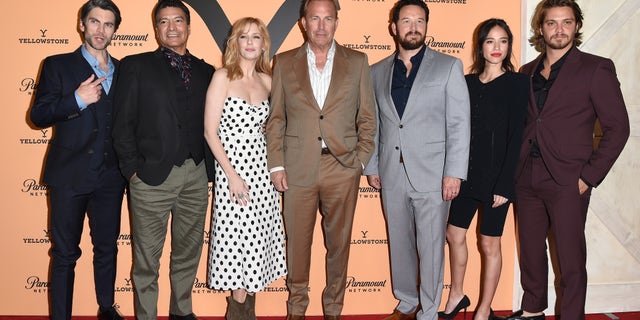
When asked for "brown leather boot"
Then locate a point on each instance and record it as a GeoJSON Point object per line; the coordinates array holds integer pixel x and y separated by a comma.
{"type": "Point", "coordinates": [235, 309]}
{"type": "Point", "coordinates": [250, 307]}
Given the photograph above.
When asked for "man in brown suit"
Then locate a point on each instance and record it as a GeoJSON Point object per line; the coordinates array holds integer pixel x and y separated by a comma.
{"type": "Point", "coordinates": [558, 162]}
{"type": "Point", "coordinates": [319, 137]}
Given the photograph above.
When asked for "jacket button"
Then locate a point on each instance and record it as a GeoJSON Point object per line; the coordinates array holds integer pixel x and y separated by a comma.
{"type": "Point", "coordinates": [397, 148]}
{"type": "Point", "coordinates": [538, 120]}
{"type": "Point", "coordinates": [401, 126]}
{"type": "Point", "coordinates": [319, 138]}
{"type": "Point", "coordinates": [321, 117]}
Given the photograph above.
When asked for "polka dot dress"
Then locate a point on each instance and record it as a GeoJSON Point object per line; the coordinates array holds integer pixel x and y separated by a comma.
{"type": "Point", "coordinates": [247, 242]}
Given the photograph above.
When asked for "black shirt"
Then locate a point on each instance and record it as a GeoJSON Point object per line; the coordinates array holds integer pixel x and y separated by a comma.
{"type": "Point", "coordinates": [541, 87]}
{"type": "Point", "coordinates": [400, 83]}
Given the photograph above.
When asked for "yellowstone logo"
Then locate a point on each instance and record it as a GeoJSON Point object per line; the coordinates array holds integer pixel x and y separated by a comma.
{"type": "Point", "coordinates": [42, 139]}
{"type": "Point", "coordinates": [368, 45]}
{"type": "Point", "coordinates": [219, 25]}
{"type": "Point", "coordinates": [44, 239]}
{"type": "Point", "coordinates": [366, 240]}
{"type": "Point", "coordinates": [127, 287]}
{"type": "Point", "coordinates": [42, 39]}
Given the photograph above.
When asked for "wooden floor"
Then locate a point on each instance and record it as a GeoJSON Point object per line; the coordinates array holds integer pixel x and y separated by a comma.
{"type": "Point", "coordinates": [608, 316]}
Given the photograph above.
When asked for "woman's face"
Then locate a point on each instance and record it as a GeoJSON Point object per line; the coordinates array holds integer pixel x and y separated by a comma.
{"type": "Point", "coordinates": [496, 46]}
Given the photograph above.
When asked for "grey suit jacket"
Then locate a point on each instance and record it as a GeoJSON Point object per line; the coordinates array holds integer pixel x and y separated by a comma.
{"type": "Point", "coordinates": [434, 132]}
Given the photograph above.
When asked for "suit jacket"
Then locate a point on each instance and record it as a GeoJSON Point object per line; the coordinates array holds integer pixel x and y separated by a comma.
{"type": "Point", "coordinates": [75, 142]}
{"type": "Point", "coordinates": [297, 125]}
{"type": "Point", "coordinates": [433, 134]}
{"type": "Point", "coordinates": [497, 113]}
{"type": "Point", "coordinates": [150, 115]}
{"type": "Point", "coordinates": [586, 88]}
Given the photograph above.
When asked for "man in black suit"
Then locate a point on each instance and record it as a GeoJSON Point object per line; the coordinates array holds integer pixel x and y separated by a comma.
{"type": "Point", "coordinates": [75, 97]}
{"type": "Point", "coordinates": [159, 138]}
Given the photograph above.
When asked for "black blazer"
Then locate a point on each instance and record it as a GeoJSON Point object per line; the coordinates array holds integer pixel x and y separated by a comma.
{"type": "Point", "coordinates": [75, 132]}
{"type": "Point", "coordinates": [497, 121]}
{"type": "Point", "coordinates": [154, 112]}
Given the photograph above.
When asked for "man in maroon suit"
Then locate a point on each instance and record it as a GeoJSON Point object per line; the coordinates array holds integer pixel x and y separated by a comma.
{"type": "Point", "coordinates": [558, 162]}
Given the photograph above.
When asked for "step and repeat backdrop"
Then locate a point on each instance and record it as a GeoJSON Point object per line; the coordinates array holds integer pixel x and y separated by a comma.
{"type": "Point", "coordinates": [35, 29]}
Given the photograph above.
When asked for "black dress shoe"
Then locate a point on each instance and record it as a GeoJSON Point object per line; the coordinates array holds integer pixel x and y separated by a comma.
{"type": "Point", "coordinates": [109, 314]}
{"type": "Point", "coordinates": [518, 316]}
{"type": "Point", "coordinates": [190, 316]}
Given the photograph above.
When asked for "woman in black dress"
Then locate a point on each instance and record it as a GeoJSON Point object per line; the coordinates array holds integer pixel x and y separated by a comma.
{"type": "Point", "coordinates": [498, 104]}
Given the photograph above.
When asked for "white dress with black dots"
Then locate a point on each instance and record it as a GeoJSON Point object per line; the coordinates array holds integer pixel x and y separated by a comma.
{"type": "Point", "coordinates": [247, 242]}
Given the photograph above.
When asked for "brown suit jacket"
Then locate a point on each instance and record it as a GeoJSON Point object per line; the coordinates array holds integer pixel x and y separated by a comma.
{"type": "Point", "coordinates": [297, 125]}
{"type": "Point", "coordinates": [586, 88]}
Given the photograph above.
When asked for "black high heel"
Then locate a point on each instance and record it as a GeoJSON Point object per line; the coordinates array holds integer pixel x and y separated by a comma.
{"type": "Point", "coordinates": [463, 304]}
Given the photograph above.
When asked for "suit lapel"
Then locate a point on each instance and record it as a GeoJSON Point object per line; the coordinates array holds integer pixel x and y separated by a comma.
{"type": "Point", "coordinates": [338, 76]}
{"type": "Point", "coordinates": [571, 64]}
{"type": "Point", "coordinates": [300, 69]}
{"type": "Point", "coordinates": [421, 77]}
{"type": "Point", "coordinates": [533, 104]}
{"type": "Point", "coordinates": [387, 72]}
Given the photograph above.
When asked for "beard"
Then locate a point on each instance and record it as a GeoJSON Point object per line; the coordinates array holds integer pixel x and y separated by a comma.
{"type": "Point", "coordinates": [411, 44]}
{"type": "Point", "coordinates": [559, 43]}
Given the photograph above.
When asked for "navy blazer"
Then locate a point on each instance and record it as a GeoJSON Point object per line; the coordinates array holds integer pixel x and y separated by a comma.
{"type": "Point", "coordinates": [75, 132]}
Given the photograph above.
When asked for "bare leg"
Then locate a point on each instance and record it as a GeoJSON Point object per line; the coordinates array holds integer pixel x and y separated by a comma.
{"type": "Point", "coordinates": [458, 255]}
{"type": "Point", "coordinates": [491, 268]}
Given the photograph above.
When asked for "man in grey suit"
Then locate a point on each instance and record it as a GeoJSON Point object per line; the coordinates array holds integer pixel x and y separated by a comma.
{"type": "Point", "coordinates": [421, 156]}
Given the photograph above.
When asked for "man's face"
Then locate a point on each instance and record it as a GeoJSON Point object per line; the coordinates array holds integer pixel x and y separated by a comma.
{"type": "Point", "coordinates": [320, 23]}
{"type": "Point", "coordinates": [559, 28]}
{"type": "Point", "coordinates": [98, 28]}
{"type": "Point", "coordinates": [411, 28]}
{"type": "Point", "coordinates": [172, 29]}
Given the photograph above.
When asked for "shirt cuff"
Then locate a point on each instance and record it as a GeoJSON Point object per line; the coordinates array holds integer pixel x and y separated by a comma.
{"type": "Point", "coordinates": [274, 169]}
{"type": "Point", "coordinates": [79, 101]}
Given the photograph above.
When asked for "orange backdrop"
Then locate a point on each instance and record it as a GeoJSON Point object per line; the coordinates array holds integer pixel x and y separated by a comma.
{"type": "Point", "coordinates": [38, 28]}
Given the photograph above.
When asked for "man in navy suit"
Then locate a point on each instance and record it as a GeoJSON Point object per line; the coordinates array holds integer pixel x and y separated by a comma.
{"type": "Point", "coordinates": [159, 138]}
{"type": "Point", "coordinates": [74, 96]}
{"type": "Point", "coordinates": [558, 164]}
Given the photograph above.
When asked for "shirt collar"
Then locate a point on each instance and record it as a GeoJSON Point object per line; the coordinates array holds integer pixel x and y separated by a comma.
{"type": "Point", "coordinates": [93, 61]}
{"type": "Point", "coordinates": [332, 52]}
{"type": "Point", "coordinates": [415, 58]}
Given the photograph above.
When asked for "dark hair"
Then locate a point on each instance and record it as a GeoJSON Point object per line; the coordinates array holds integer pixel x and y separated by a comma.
{"type": "Point", "coordinates": [305, 5]}
{"type": "Point", "coordinates": [104, 5]}
{"type": "Point", "coordinates": [395, 12]}
{"type": "Point", "coordinates": [171, 3]}
{"type": "Point", "coordinates": [480, 35]}
{"type": "Point", "coordinates": [537, 39]}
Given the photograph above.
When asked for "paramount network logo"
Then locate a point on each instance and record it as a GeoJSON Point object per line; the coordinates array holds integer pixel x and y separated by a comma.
{"type": "Point", "coordinates": [202, 288]}
{"type": "Point", "coordinates": [44, 239]}
{"type": "Point", "coordinates": [129, 40]}
{"type": "Point", "coordinates": [28, 85]}
{"type": "Point", "coordinates": [33, 189]}
{"type": "Point", "coordinates": [35, 285]}
{"type": "Point", "coordinates": [42, 39]}
{"type": "Point", "coordinates": [448, 47]}
{"type": "Point", "coordinates": [368, 193]}
{"type": "Point", "coordinates": [366, 286]}
{"type": "Point", "coordinates": [124, 240]}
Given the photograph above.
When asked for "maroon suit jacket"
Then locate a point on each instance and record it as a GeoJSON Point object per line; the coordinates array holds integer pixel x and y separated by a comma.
{"type": "Point", "coordinates": [586, 88]}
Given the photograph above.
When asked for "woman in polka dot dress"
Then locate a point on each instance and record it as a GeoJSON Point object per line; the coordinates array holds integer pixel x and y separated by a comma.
{"type": "Point", "coordinates": [247, 242]}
